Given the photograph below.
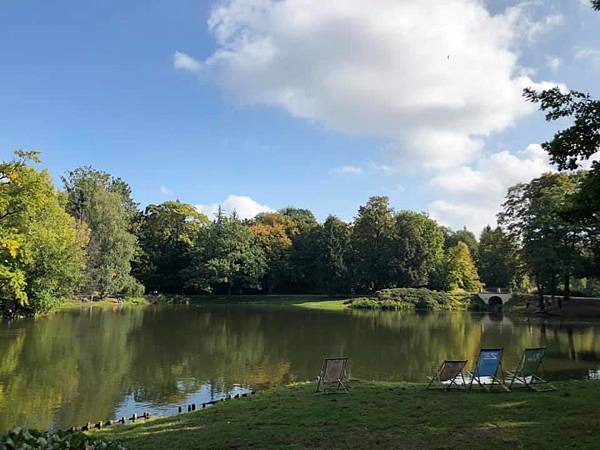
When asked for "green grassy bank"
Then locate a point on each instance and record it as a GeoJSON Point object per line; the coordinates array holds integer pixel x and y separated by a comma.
{"type": "Point", "coordinates": [381, 415]}
{"type": "Point", "coordinates": [302, 301]}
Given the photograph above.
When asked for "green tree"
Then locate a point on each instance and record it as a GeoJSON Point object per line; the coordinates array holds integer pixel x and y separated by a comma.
{"type": "Point", "coordinates": [418, 249]}
{"type": "Point", "coordinates": [498, 263]}
{"type": "Point", "coordinates": [41, 250]}
{"type": "Point", "coordinates": [533, 214]}
{"type": "Point", "coordinates": [372, 237]}
{"type": "Point", "coordinates": [466, 236]}
{"type": "Point", "coordinates": [298, 219]}
{"type": "Point", "coordinates": [166, 234]}
{"type": "Point", "coordinates": [571, 146]}
{"type": "Point", "coordinates": [303, 229]}
{"type": "Point", "coordinates": [271, 233]}
{"type": "Point", "coordinates": [461, 272]}
{"type": "Point", "coordinates": [334, 252]}
{"type": "Point", "coordinates": [227, 254]}
{"type": "Point", "coordinates": [104, 204]}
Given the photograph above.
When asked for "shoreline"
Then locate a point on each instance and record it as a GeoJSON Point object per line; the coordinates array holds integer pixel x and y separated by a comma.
{"type": "Point", "coordinates": [580, 308]}
{"type": "Point", "coordinates": [380, 415]}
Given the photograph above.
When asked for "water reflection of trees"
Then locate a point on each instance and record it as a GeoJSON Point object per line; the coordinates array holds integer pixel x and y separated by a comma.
{"type": "Point", "coordinates": [70, 367]}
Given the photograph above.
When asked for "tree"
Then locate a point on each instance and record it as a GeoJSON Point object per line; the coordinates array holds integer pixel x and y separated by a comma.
{"type": "Point", "coordinates": [166, 234]}
{"type": "Point", "coordinates": [41, 250]}
{"type": "Point", "coordinates": [103, 203]}
{"type": "Point", "coordinates": [466, 236]}
{"type": "Point", "coordinates": [498, 263]}
{"type": "Point", "coordinates": [334, 252]}
{"type": "Point", "coordinates": [577, 142]}
{"type": "Point", "coordinates": [533, 214]}
{"type": "Point", "coordinates": [303, 230]}
{"type": "Point", "coordinates": [417, 248]}
{"type": "Point", "coordinates": [569, 148]}
{"type": "Point", "coordinates": [372, 237]}
{"type": "Point", "coordinates": [298, 219]}
{"type": "Point", "coordinates": [226, 253]}
{"type": "Point", "coordinates": [461, 272]}
{"type": "Point", "coordinates": [271, 233]}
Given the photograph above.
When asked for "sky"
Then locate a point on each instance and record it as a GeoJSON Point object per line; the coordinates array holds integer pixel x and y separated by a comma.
{"type": "Point", "coordinates": [258, 105]}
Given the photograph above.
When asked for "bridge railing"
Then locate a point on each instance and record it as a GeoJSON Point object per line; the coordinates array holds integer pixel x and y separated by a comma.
{"type": "Point", "coordinates": [494, 290]}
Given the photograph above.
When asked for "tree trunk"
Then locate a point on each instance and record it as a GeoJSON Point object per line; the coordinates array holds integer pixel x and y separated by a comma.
{"type": "Point", "coordinates": [541, 299]}
{"type": "Point", "coordinates": [567, 290]}
{"type": "Point", "coordinates": [229, 287]}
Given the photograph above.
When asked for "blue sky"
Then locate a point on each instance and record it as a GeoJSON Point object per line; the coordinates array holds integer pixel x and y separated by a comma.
{"type": "Point", "coordinates": [294, 103]}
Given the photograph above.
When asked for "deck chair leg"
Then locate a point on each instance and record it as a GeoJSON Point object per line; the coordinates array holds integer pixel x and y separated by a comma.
{"type": "Point", "coordinates": [464, 383]}
{"type": "Point", "coordinates": [343, 385]}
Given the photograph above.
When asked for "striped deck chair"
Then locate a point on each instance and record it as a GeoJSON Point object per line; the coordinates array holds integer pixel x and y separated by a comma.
{"type": "Point", "coordinates": [526, 372]}
{"type": "Point", "coordinates": [449, 375]}
{"type": "Point", "coordinates": [488, 371]}
{"type": "Point", "coordinates": [333, 376]}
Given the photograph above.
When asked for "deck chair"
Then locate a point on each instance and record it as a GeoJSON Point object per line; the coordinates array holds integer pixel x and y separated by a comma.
{"type": "Point", "coordinates": [526, 372]}
{"type": "Point", "coordinates": [488, 371]}
{"type": "Point", "coordinates": [333, 376]}
{"type": "Point", "coordinates": [449, 375]}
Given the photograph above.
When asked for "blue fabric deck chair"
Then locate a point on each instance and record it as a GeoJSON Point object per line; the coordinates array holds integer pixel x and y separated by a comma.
{"type": "Point", "coordinates": [488, 371]}
{"type": "Point", "coordinates": [449, 376]}
{"type": "Point", "coordinates": [333, 376]}
{"type": "Point", "coordinates": [526, 373]}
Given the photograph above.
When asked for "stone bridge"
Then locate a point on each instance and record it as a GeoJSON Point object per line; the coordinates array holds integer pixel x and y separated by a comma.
{"type": "Point", "coordinates": [495, 296]}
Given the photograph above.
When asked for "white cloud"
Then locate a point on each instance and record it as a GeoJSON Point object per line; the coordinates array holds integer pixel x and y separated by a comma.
{"type": "Point", "coordinates": [590, 56]}
{"type": "Point", "coordinates": [522, 16]}
{"type": "Point", "coordinates": [348, 170]}
{"type": "Point", "coordinates": [434, 77]}
{"type": "Point", "coordinates": [473, 195]}
{"type": "Point", "coordinates": [553, 63]}
{"type": "Point", "coordinates": [184, 61]}
{"type": "Point", "coordinates": [245, 207]}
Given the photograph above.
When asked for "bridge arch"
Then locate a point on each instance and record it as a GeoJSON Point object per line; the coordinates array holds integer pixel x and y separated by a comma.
{"type": "Point", "coordinates": [495, 302]}
{"type": "Point", "coordinates": [495, 297]}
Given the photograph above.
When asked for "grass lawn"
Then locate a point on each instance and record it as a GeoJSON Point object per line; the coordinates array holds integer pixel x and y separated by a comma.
{"type": "Point", "coordinates": [330, 305]}
{"type": "Point", "coordinates": [381, 415]}
{"type": "Point", "coordinates": [302, 301]}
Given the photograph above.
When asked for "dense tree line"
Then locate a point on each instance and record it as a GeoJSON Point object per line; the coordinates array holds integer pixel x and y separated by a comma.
{"type": "Point", "coordinates": [91, 239]}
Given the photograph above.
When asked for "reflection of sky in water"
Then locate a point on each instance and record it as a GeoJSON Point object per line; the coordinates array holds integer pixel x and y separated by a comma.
{"type": "Point", "coordinates": [129, 405]}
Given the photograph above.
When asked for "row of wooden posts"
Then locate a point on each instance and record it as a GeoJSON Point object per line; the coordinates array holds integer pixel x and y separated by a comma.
{"type": "Point", "coordinates": [146, 415]}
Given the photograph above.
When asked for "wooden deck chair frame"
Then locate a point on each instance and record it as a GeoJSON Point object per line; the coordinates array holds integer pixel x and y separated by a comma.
{"type": "Point", "coordinates": [496, 380]}
{"type": "Point", "coordinates": [516, 378]}
{"type": "Point", "coordinates": [449, 382]}
{"type": "Point", "coordinates": [331, 375]}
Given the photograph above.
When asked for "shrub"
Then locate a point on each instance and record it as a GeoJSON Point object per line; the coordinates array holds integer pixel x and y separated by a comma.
{"type": "Point", "coordinates": [419, 298]}
{"type": "Point", "coordinates": [132, 288]}
{"type": "Point", "coordinates": [413, 298]}
{"type": "Point", "coordinates": [20, 438]}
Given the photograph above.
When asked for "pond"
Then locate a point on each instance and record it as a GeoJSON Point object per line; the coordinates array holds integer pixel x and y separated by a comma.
{"type": "Point", "coordinates": [97, 364]}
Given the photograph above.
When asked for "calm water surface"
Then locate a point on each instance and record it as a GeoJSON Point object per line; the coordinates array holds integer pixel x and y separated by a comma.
{"type": "Point", "coordinates": [94, 364]}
